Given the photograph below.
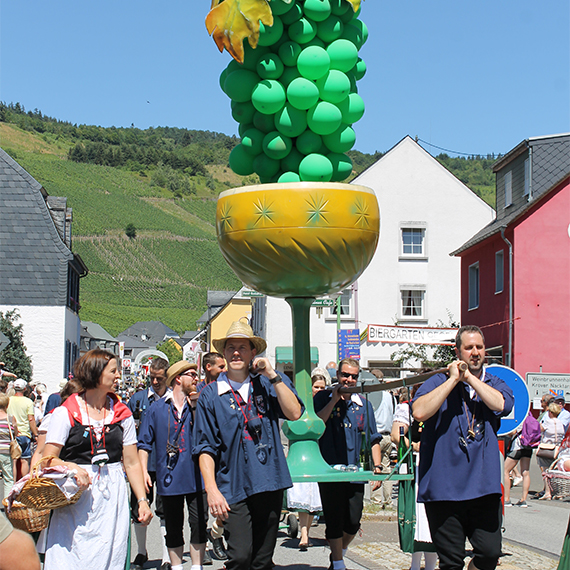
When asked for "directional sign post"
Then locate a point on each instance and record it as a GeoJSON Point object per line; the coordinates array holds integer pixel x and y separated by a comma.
{"type": "Point", "coordinates": [540, 383]}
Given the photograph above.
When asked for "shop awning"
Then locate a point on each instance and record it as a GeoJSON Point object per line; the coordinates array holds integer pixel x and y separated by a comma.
{"type": "Point", "coordinates": [284, 354]}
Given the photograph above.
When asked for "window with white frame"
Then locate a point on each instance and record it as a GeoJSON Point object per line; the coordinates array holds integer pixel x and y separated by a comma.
{"type": "Point", "coordinates": [345, 305]}
{"type": "Point", "coordinates": [508, 188]}
{"type": "Point", "coordinates": [474, 286]}
{"type": "Point", "coordinates": [413, 242]}
{"type": "Point", "coordinates": [526, 190]}
{"type": "Point", "coordinates": [413, 304]}
{"type": "Point", "coordinates": [499, 271]}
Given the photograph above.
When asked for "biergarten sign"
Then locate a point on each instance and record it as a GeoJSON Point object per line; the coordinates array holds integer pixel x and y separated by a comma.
{"type": "Point", "coordinates": [411, 335]}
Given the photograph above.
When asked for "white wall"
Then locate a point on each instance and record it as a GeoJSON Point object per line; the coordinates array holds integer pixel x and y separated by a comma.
{"type": "Point", "coordinates": [45, 330]}
{"type": "Point", "coordinates": [411, 186]}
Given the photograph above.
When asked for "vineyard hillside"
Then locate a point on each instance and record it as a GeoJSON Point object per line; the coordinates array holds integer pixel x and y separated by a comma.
{"type": "Point", "coordinates": [159, 186]}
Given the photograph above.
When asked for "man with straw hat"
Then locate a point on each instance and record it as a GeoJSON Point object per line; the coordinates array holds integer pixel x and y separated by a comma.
{"type": "Point", "coordinates": [236, 439]}
{"type": "Point", "coordinates": [167, 427]}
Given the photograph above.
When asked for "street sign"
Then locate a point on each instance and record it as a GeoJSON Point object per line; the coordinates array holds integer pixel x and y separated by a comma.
{"type": "Point", "coordinates": [349, 344]}
{"type": "Point", "coordinates": [323, 303]}
{"type": "Point", "coordinates": [522, 398]}
{"type": "Point", "coordinates": [4, 342]}
{"type": "Point", "coordinates": [540, 383]}
{"type": "Point", "coordinates": [248, 293]}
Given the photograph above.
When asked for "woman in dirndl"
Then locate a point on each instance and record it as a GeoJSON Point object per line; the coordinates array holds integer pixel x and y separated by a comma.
{"type": "Point", "coordinates": [94, 433]}
{"type": "Point", "coordinates": [422, 536]}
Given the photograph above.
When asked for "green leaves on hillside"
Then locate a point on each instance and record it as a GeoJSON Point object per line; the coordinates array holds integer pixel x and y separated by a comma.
{"type": "Point", "coordinates": [187, 152]}
{"type": "Point", "coordinates": [476, 172]}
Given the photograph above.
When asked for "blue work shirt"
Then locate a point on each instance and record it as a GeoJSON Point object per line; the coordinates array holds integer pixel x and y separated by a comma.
{"type": "Point", "coordinates": [449, 470]}
{"type": "Point", "coordinates": [220, 430]}
{"type": "Point", "coordinates": [141, 401]}
{"type": "Point", "coordinates": [342, 441]}
{"type": "Point", "coordinates": [161, 425]}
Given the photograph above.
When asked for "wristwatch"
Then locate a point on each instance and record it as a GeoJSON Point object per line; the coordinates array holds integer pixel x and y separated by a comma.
{"type": "Point", "coordinates": [276, 380]}
{"type": "Point", "coordinates": [144, 500]}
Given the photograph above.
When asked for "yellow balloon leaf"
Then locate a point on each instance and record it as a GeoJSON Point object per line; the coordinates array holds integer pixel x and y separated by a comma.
{"type": "Point", "coordinates": [355, 4]}
{"type": "Point", "coordinates": [231, 21]}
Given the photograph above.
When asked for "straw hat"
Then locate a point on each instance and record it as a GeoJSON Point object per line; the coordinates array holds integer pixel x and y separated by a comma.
{"type": "Point", "coordinates": [177, 369]}
{"type": "Point", "coordinates": [240, 330]}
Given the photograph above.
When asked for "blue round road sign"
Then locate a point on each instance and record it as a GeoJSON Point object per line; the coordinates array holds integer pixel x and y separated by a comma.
{"type": "Point", "coordinates": [520, 391]}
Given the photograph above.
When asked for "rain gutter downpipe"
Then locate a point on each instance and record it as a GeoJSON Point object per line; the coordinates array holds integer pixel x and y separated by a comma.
{"type": "Point", "coordinates": [510, 355]}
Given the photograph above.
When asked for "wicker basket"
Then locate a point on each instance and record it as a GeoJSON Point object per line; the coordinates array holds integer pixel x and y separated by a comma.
{"type": "Point", "coordinates": [43, 493]}
{"type": "Point", "coordinates": [558, 482]}
{"type": "Point", "coordinates": [26, 519]}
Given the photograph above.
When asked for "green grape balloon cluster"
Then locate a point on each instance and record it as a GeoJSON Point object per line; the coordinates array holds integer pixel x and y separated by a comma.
{"type": "Point", "coordinates": [295, 95]}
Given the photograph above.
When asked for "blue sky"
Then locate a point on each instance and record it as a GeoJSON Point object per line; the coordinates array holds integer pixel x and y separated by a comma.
{"type": "Point", "coordinates": [473, 77]}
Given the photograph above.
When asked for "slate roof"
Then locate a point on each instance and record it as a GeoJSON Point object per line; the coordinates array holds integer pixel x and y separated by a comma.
{"type": "Point", "coordinates": [97, 331]}
{"type": "Point", "coordinates": [550, 165]}
{"type": "Point", "coordinates": [148, 333]}
{"type": "Point", "coordinates": [131, 342]}
{"type": "Point", "coordinates": [33, 257]}
{"type": "Point", "coordinates": [216, 301]}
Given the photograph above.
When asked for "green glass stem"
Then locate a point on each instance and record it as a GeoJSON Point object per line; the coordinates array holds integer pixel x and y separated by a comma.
{"type": "Point", "coordinates": [304, 456]}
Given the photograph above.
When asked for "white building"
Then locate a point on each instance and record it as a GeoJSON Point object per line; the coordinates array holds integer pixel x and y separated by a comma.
{"type": "Point", "coordinates": [425, 213]}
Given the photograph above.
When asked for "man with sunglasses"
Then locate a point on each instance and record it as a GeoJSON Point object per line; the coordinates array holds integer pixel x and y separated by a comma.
{"type": "Point", "coordinates": [459, 468]}
{"type": "Point", "coordinates": [348, 421]}
{"type": "Point", "coordinates": [168, 428]}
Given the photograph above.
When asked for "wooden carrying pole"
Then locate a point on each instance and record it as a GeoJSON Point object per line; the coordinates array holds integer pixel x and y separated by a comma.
{"type": "Point", "coordinates": [409, 381]}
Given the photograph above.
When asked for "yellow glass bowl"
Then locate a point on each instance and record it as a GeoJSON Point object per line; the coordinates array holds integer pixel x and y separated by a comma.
{"type": "Point", "coordinates": [298, 239]}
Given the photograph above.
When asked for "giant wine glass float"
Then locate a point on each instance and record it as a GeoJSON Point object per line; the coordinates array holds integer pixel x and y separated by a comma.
{"type": "Point", "coordinates": [299, 241]}
{"type": "Point", "coordinates": [301, 233]}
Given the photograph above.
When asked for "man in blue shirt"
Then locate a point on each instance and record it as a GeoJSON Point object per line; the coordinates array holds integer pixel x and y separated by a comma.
{"type": "Point", "coordinates": [347, 419]}
{"type": "Point", "coordinates": [213, 364]}
{"type": "Point", "coordinates": [168, 428]}
{"type": "Point", "coordinates": [459, 469]}
{"type": "Point", "coordinates": [139, 404]}
{"type": "Point", "coordinates": [236, 439]}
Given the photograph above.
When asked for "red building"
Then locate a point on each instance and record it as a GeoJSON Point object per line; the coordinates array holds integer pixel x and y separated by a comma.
{"type": "Point", "coordinates": [515, 273]}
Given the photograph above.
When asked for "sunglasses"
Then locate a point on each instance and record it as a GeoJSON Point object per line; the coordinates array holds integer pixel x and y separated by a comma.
{"type": "Point", "coordinates": [349, 375]}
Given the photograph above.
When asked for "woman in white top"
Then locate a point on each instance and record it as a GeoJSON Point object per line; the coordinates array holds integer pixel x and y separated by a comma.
{"type": "Point", "coordinates": [552, 432]}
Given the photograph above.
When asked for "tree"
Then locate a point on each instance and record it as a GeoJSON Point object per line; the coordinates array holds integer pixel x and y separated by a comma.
{"type": "Point", "coordinates": [171, 349]}
{"type": "Point", "coordinates": [14, 355]}
{"type": "Point", "coordinates": [131, 231]}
